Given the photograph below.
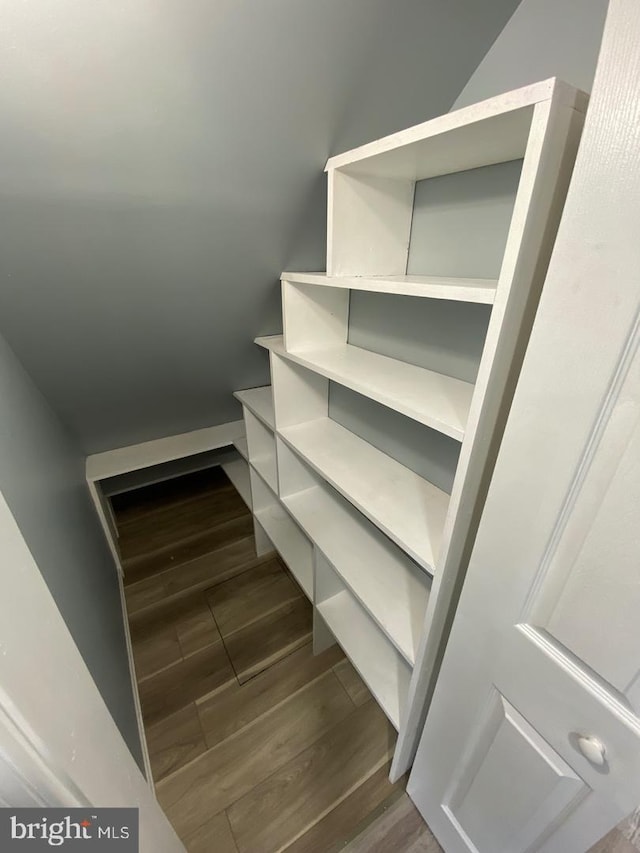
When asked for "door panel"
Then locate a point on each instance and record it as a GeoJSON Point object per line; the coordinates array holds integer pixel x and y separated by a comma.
{"type": "Point", "coordinates": [564, 702]}
{"type": "Point", "coordinates": [578, 597]}
{"type": "Point", "coordinates": [485, 803]}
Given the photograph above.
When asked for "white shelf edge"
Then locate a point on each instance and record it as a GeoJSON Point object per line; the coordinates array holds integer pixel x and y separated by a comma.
{"type": "Point", "coordinates": [259, 401]}
{"type": "Point", "coordinates": [238, 472]}
{"type": "Point", "coordinates": [422, 546]}
{"type": "Point", "coordinates": [259, 465]}
{"type": "Point", "coordinates": [448, 416]}
{"type": "Point", "coordinates": [388, 678]}
{"type": "Point", "coordinates": [266, 521]}
{"type": "Point", "coordinates": [122, 460]}
{"type": "Point", "coordinates": [517, 99]}
{"type": "Point", "coordinates": [242, 447]}
{"type": "Point", "coordinates": [477, 290]}
{"type": "Point", "coordinates": [411, 583]}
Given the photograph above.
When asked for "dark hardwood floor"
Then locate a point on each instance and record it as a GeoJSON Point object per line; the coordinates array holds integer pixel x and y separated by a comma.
{"type": "Point", "coordinates": [256, 744]}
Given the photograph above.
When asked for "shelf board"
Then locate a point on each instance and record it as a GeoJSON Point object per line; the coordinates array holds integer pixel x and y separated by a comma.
{"type": "Point", "coordinates": [384, 671]}
{"type": "Point", "coordinates": [431, 398]}
{"type": "Point", "coordinates": [481, 290]}
{"type": "Point", "coordinates": [408, 508]}
{"type": "Point", "coordinates": [492, 131]}
{"type": "Point", "coordinates": [266, 467]}
{"type": "Point", "coordinates": [259, 401]}
{"type": "Point", "coordinates": [242, 447]}
{"type": "Point", "coordinates": [386, 582]}
{"type": "Point", "coordinates": [238, 472]}
{"type": "Point", "coordinates": [290, 542]}
{"type": "Point", "coordinates": [122, 460]}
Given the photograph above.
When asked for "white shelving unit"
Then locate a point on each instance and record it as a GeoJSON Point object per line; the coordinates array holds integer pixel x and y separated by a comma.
{"type": "Point", "coordinates": [438, 401]}
{"type": "Point", "coordinates": [259, 401]}
{"type": "Point", "coordinates": [371, 455]}
{"type": "Point", "coordinates": [376, 660]}
{"type": "Point", "coordinates": [287, 538]}
{"type": "Point", "coordinates": [405, 506]}
{"type": "Point", "coordinates": [390, 587]}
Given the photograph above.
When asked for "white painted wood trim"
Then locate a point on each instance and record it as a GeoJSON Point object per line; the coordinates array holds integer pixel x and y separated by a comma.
{"type": "Point", "coordinates": [482, 290]}
{"type": "Point", "coordinates": [259, 401]}
{"type": "Point", "coordinates": [67, 740]}
{"type": "Point", "coordinates": [238, 472]}
{"type": "Point", "coordinates": [110, 463]}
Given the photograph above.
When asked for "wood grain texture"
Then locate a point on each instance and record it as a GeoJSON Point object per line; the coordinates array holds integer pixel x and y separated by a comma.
{"type": "Point", "coordinates": [236, 706]}
{"type": "Point", "coordinates": [201, 573]}
{"type": "Point", "coordinates": [171, 631]}
{"type": "Point", "coordinates": [268, 640]}
{"type": "Point", "coordinates": [181, 683]}
{"type": "Point", "coordinates": [251, 596]}
{"type": "Point", "coordinates": [137, 503]}
{"type": "Point", "coordinates": [214, 836]}
{"type": "Point", "coordinates": [614, 842]}
{"type": "Point", "coordinates": [344, 820]}
{"type": "Point", "coordinates": [231, 769]}
{"type": "Point", "coordinates": [286, 805]}
{"type": "Point", "coordinates": [400, 828]}
{"type": "Point", "coordinates": [155, 649]}
{"type": "Point", "coordinates": [184, 521]}
{"type": "Point", "coordinates": [174, 741]}
{"type": "Point", "coordinates": [185, 550]}
{"type": "Point", "coordinates": [352, 683]}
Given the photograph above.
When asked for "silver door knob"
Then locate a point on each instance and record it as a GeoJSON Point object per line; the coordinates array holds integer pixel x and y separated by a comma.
{"type": "Point", "coordinates": [592, 749]}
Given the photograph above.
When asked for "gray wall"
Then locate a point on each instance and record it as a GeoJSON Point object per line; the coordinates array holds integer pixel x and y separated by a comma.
{"type": "Point", "coordinates": [42, 480]}
{"type": "Point", "coordinates": [544, 38]}
{"type": "Point", "coordinates": [161, 163]}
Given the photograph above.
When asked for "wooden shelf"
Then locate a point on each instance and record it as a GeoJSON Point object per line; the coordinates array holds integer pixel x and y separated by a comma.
{"type": "Point", "coordinates": [385, 672]}
{"type": "Point", "coordinates": [267, 468]}
{"type": "Point", "coordinates": [242, 447]}
{"type": "Point", "coordinates": [386, 582]}
{"type": "Point", "coordinates": [238, 472]}
{"type": "Point", "coordinates": [112, 463]}
{"type": "Point", "coordinates": [259, 401]}
{"type": "Point", "coordinates": [408, 508]}
{"type": "Point", "coordinates": [492, 131]}
{"type": "Point", "coordinates": [438, 401]}
{"type": "Point", "coordinates": [287, 538]}
{"type": "Point", "coordinates": [481, 290]}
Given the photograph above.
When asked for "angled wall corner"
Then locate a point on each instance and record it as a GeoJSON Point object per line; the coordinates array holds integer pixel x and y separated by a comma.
{"type": "Point", "coordinates": [43, 482]}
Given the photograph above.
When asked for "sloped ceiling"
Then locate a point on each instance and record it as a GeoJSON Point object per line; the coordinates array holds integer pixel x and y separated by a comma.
{"type": "Point", "coordinates": [161, 163]}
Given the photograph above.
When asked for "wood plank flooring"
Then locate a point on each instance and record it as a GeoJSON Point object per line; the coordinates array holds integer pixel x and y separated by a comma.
{"type": "Point", "coordinates": [256, 744]}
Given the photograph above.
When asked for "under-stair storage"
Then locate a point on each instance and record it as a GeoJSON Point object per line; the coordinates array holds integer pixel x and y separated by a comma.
{"type": "Point", "coordinates": [383, 669]}
{"type": "Point", "coordinates": [287, 538]}
{"type": "Point", "coordinates": [371, 453]}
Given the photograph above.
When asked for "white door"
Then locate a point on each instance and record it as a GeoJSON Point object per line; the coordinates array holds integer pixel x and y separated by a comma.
{"type": "Point", "coordinates": [59, 746]}
{"type": "Point", "coordinates": [532, 742]}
